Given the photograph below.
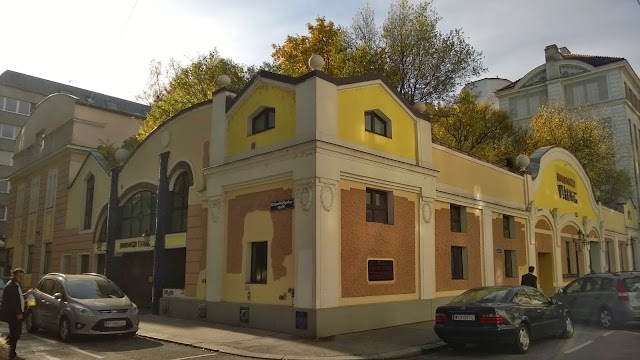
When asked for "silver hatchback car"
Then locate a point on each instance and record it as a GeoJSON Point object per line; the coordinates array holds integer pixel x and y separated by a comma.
{"type": "Point", "coordinates": [87, 304]}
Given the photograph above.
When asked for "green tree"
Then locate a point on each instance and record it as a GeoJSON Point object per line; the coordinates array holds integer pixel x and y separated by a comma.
{"type": "Point", "coordinates": [474, 128]}
{"type": "Point", "coordinates": [108, 149]}
{"type": "Point", "coordinates": [175, 87]}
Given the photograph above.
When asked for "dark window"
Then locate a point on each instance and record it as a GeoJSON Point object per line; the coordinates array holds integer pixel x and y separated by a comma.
{"type": "Point", "coordinates": [508, 226]}
{"type": "Point", "coordinates": [57, 288]}
{"type": "Point", "coordinates": [84, 264]}
{"type": "Point", "coordinates": [510, 263]}
{"type": "Point", "coordinates": [88, 201]}
{"type": "Point", "coordinates": [575, 286]}
{"type": "Point", "coordinates": [46, 286]}
{"type": "Point", "coordinates": [265, 120]}
{"type": "Point", "coordinates": [100, 263]}
{"type": "Point", "coordinates": [47, 258]}
{"type": "Point", "coordinates": [102, 237]}
{"type": "Point", "coordinates": [568, 247]}
{"type": "Point", "coordinates": [458, 263]}
{"type": "Point", "coordinates": [30, 250]}
{"type": "Point", "coordinates": [259, 252]}
{"type": "Point", "coordinates": [374, 123]}
{"type": "Point", "coordinates": [180, 203]}
{"type": "Point", "coordinates": [592, 284]}
{"type": "Point", "coordinates": [139, 215]}
{"type": "Point", "coordinates": [607, 284]}
{"type": "Point", "coordinates": [537, 298]}
{"type": "Point", "coordinates": [458, 221]}
{"type": "Point", "coordinates": [577, 260]}
{"type": "Point", "coordinates": [378, 206]}
{"type": "Point", "coordinates": [380, 270]}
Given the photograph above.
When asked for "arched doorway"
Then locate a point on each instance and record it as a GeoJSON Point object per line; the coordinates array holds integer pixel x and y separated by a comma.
{"type": "Point", "coordinates": [544, 256]}
{"type": "Point", "coordinates": [571, 253]}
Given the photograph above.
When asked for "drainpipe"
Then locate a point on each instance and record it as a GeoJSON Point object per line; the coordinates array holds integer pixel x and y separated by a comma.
{"type": "Point", "coordinates": [113, 225]}
{"type": "Point", "coordinates": [162, 219]}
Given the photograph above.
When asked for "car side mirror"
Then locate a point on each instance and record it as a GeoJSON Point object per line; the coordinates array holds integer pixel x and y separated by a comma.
{"type": "Point", "coordinates": [561, 291]}
{"type": "Point", "coordinates": [57, 296]}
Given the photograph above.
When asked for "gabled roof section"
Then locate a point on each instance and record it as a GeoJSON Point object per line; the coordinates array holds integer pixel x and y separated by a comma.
{"type": "Point", "coordinates": [324, 76]}
{"type": "Point", "coordinates": [46, 87]}
{"type": "Point", "coordinates": [99, 159]}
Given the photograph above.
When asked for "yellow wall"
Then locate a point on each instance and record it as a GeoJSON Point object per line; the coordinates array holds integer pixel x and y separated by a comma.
{"type": "Point", "coordinates": [283, 100]}
{"type": "Point", "coordinates": [476, 177]}
{"type": "Point", "coordinates": [547, 192]}
{"type": "Point", "coordinates": [76, 195]}
{"type": "Point", "coordinates": [613, 220]}
{"type": "Point", "coordinates": [630, 215]}
{"type": "Point", "coordinates": [353, 103]}
{"type": "Point", "coordinates": [259, 227]}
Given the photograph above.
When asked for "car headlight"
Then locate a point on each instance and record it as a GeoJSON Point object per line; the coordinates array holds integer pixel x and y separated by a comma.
{"type": "Point", "coordinates": [83, 311]}
{"type": "Point", "coordinates": [134, 308]}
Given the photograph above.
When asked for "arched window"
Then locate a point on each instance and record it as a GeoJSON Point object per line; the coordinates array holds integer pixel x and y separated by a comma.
{"type": "Point", "coordinates": [88, 201]}
{"type": "Point", "coordinates": [139, 215]}
{"type": "Point", "coordinates": [102, 237]}
{"type": "Point", "coordinates": [180, 203]}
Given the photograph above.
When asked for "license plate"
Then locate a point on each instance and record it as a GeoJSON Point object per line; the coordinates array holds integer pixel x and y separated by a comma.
{"type": "Point", "coordinates": [115, 323]}
{"type": "Point", "coordinates": [464, 317]}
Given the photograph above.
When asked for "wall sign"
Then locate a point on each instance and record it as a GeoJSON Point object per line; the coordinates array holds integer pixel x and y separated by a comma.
{"type": "Point", "coordinates": [380, 270]}
{"type": "Point", "coordinates": [282, 205]}
{"type": "Point", "coordinates": [567, 188]}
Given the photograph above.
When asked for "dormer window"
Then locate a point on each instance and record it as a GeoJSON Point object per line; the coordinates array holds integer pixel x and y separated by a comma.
{"type": "Point", "coordinates": [263, 121]}
{"type": "Point", "coordinates": [377, 123]}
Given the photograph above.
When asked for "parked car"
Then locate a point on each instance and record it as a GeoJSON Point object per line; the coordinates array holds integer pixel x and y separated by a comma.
{"type": "Point", "coordinates": [87, 304]}
{"type": "Point", "coordinates": [609, 298]}
{"type": "Point", "coordinates": [505, 315]}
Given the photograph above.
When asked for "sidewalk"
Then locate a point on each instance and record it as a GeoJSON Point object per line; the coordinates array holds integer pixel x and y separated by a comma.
{"type": "Point", "coordinates": [388, 343]}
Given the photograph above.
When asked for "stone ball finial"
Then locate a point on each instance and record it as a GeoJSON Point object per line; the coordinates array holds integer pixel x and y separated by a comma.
{"type": "Point", "coordinates": [316, 62]}
{"type": "Point", "coordinates": [223, 80]}
{"type": "Point", "coordinates": [522, 161]}
{"type": "Point", "coordinates": [420, 106]}
{"type": "Point", "coordinates": [121, 155]}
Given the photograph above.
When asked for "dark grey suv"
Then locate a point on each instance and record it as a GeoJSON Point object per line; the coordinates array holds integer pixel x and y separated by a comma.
{"type": "Point", "coordinates": [609, 298]}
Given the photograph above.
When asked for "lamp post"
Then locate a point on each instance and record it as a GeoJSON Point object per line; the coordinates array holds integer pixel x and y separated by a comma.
{"type": "Point", "coordinates": [163, 217]}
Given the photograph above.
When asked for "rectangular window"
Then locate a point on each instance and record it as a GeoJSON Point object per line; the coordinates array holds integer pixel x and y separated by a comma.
{"type": "Point", "coordinates": [47, 259]}
{"type": "Point", "coordinates": [34, 193]}
{"type": "Point", "coordinates": [83, 264]}
{"type": "Point", "coordinates": [65, 264]}
{"type": "Point", "coordinates": [9, 131]}
{"type": "Point", "coordinates": [6, 158]}
{"type": "Point", "coordinates": [4, 186]}
{"type": "Point", "coordinates": [374, 123]}
{"type": "Point", "coordinates": [3, 213]}
{"type": "Point", "coordinates": [88, 201]}
{"type": "Point", "coordinates": [508, 227]}
{"type": "Point", "coordinates": [15, 106]}
{"type": "Point", "coordinates": [587, 92]}
{"type": "Point", "coordinates": [378, 206]}
{"type": "Point", "coordinates": [458, 218]}
{"type": "Point", "coordinates": [100, 263]}
{"type": "Point", "coordinates": [263, 121]}
{"type": "Point", "coordinates": [458, 263]}
{"type": "Point", "coordinates": [259, 252]}
{"type": "Point", "coordinates": [568, 251]}
{"type": "Point", "coordinates": [29, 261]}
{"type": "Point", "coordinates": [380, 270]}
{"type": "Point", "coordinates": [510, 263]}
{"type": "Point", "coordinates": [52, 187]}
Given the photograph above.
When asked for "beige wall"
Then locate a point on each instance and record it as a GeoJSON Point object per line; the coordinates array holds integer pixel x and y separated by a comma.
{"type": "Point", "coordinates": [97, 124]}
{"type": "Point", "coordinates": [613, 221]}
{"type": "Point", "coordinates": [51, 113]}
{"type": "Point", "coordinates": [77, 191]}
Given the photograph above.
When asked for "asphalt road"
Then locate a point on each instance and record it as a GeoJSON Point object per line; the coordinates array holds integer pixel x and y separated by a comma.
{"type": "Point", "coordinates": [45, 346]}
{"type": "Point", "coordinates": [588, 342]}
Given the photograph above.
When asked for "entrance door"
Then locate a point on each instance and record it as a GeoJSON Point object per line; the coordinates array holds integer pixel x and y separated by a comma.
{"type": "Point", "coordinates": [594, 257]}
{"type": "Point", "coordinates": [545, 273]}
{"type": "Point", "coordinates": [137, 270]}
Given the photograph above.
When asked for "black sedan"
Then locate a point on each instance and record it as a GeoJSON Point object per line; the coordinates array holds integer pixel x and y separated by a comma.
{"type": "Point", "coordinates": [502, 315]}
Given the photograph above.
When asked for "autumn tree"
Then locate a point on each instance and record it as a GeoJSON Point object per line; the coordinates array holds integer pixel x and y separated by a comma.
{"type": "Point", "coordinates": [422, 62]}
{"type": "Point", "coordinates": [589, 140]}
{"type": "Point", "coordinates": [474, 128]}
{"type": "Point", "coordinates": [175, 86]}
{"type": "Point", "coordinates": [108, 149]}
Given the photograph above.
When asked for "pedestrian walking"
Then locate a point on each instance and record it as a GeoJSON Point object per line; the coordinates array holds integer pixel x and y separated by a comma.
{"type": "Point", "coordinates": [529, 279]}
{"type": "Point", "coordinates": [12, 310]}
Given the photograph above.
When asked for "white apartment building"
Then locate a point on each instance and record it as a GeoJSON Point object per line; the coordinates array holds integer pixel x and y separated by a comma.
{"type": "Point", "coordinates": [607, 85]}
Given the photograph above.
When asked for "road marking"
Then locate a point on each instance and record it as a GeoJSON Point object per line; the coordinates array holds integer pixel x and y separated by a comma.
{"type": "Point", "coordinates": [578, 347]}
{"type": "Point", "coordinates": [45, 339]}
{"type": "Point", "coordinates": [195, 356]}
{"type": "Point", "coordinates": [629, 332]}
{"type": "Point", "coordinates": [609, 333]}
{"type": "Point", "coordinates": [46, 356]}
{"type": "Point", "coordinates": [86, 352]}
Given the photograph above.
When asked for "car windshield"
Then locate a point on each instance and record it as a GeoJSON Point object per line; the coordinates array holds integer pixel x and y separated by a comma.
{"type": "Point", "coordinates": [489, 295]}
{"type": "Point", "coordinates": [93, 289]}
{"type": "Point", "coordinates": [633, 283]}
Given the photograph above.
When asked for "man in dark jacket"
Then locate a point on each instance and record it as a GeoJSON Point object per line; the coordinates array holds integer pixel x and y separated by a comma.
{"type": "Point", "coordinates": [12, 310]}
{"type": "Point", "coordinates": [529, 279]}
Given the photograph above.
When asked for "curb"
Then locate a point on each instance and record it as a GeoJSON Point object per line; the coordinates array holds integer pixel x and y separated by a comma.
{"type": "Point", "coordinates": [397, 354]}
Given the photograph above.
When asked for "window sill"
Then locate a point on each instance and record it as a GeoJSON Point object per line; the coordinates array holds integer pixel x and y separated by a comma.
{"type": "Point", "coordinates": [260, 132]}
{"type": "Point", "coordinates": [461, 279]}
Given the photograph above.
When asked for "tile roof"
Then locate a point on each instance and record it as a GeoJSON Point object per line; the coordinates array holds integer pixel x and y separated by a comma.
{"type": "Point", "coordinates": [592, 60]}
{"type": "Point", "coordinates": [46, 87]}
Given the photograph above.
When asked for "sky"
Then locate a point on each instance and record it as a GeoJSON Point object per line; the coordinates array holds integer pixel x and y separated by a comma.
{"type": "Point", "coordinates": [107, 46]}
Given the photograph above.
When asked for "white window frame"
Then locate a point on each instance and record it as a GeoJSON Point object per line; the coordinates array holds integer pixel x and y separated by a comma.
{"type": "Point", "coordinates": [52, 188]}
{"type": "Point", "coordinates": [8, 186]}
{"type": "Point", "coordinates": [10, 158]}
{"type": "Point", "coordinates": [16, 131]}
{"type": "Point", "coordinates": [3, 103]}
{"type": "Point", "coordinates": [3, 214]}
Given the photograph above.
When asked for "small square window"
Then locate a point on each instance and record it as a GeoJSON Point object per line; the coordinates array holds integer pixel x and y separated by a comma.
{"type": "Point", "coordinates": [380, 270]}
{"type": "Point", "coordinates": [265, 120]}
{"type": "Point", "coordinates": [259, 252]}
{"type": "Point", "coordinates": [378, 206]}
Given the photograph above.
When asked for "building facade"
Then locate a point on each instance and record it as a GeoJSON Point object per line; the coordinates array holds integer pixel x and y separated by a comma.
{"type": "Point", "coordinates": [607, 86]}
{"type": "Point", "coordinates": [485, 90]}
{"type": "Point", "coordinates": [318, 206]}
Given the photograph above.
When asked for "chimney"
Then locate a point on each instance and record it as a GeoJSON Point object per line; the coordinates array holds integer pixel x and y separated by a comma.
{"type": "Point", "coordinates": [552, 56]}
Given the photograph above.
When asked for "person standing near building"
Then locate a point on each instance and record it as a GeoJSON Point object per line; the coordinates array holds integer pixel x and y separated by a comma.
{"type": "Point", "coordinates": [12, 310]}
{"type": "Point", "coordinates": [529, 279]}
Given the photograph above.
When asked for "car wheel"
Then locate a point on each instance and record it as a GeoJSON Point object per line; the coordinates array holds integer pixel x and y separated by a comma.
{"type": "Point", "coordinates": [606, 318]}
{"type": "Point", "coordinates": [523, 339]}
{"type": "Point", "coordinates": [457, 346]}
{"type": "Point", "coordinates": [568, 330]}
{"type": "Point", "coordinates": [30, 322]}
{"type": "Point", "coordinates": [65, 330]}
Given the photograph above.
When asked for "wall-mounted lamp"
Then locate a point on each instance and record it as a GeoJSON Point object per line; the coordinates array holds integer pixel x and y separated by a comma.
{"type": "Point", "coordinates": [582, 241]}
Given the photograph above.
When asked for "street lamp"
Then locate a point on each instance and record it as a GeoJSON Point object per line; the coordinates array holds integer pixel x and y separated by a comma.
{"type": "Point", "coordinates": [582, 241]}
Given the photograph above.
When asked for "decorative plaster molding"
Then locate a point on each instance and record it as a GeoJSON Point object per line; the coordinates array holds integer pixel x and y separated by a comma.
{"type": "Point", "coordinates": [427, 210]}
{"type": "Point", "coordinates": [554, 215]}
{"type": "Point", "coordinates": [304, 195]}
{"type": "Point", "coordinates": [214, 208]}
{"type": "Point", "coordinates": [327, 197]}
